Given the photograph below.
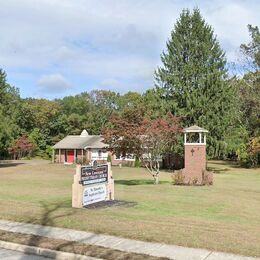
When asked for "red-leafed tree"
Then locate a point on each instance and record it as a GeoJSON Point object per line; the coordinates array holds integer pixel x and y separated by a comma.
{"type": "Point", "coordinates": [22, 147]}
{"type": "Point", "coordinates": [123, 132]}
{"type": "Point", "coordinates": [159, 137]}
{"type": "Point", "coordinates": [132, 133]}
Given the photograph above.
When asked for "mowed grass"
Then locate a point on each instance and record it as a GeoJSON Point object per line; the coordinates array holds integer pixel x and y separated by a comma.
{"type": "Point", "coordinates": [223, 217]}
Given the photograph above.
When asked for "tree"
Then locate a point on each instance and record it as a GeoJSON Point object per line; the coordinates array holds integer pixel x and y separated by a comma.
{"type": "Point", "coordinates": [249, 86]}
{"type": "Point", "coordinates": [79, 104]}
{"type": "Point", "coordinates": [103, 104]}
{"type": "Point", "coordinates": [148, 140]}
{"type": "Point", "coordinates": [251, 51]}
{"type": "Point", "coordinates": [8, 132]}
{"type": "Point", "coordinates": [39, 139]}
{"type": "Point", "coordinates": [249, 90]}
{"type": "Point", "coordinates": [130, 100]}
{"type": "Point", "coordinates": [155, 106]}
{"type": "Point", "coordinates": [22, 147]}
{"type": "Point", "coordinates": [38, 113]}
{"type": "Point", "coordinates": [74, 124]}
{"type": "Point", "coordinates": [193, 78]}
{"type": "Point", "coordinates": [123, 132]}
{"type": "Point", "coordinates": [9, 107]}
{"type": "Point", "coordinates": [159, 136]}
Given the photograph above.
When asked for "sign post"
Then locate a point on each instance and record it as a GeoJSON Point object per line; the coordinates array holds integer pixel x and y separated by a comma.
{"type": "Point", "coordinates": [92, 184]}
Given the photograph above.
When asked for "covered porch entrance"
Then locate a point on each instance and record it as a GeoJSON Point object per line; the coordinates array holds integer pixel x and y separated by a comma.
{"type": "Point", "coordinates": [69, 156]}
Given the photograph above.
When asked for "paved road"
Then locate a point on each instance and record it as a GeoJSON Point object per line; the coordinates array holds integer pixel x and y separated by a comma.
{"type": "Point", "coordinates": [15, 255]}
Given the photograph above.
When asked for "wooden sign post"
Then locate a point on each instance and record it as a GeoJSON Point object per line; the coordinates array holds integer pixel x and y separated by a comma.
{"type": "Point", "coordinates": [92, 184]}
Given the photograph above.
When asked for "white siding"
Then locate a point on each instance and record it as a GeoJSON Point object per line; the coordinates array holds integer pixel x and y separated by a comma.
{"type": "Point", "coordinates": [98, 154]}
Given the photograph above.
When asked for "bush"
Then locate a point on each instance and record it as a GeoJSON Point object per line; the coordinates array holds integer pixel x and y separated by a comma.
{"type": "Point", "coordinates": [109, 158]}
{"type": "Point", "coordinates": [137, 163]}
{"type": "Point", "coordinates": [48, 152]}
{"type": "Point", "coordinates": [178, 178]}
{"type": "Point", "coordinates": [249, 154]}
{"type": "Point", "coordinates": [207, 178]}
{"type": "Point", "coordinates": [195, 181]}
{"type": "Point", "coordinates": [83, 161]}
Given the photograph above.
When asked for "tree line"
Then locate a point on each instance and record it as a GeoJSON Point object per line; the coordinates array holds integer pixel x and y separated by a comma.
{"type": "Point", "coordinates": [193, 84]}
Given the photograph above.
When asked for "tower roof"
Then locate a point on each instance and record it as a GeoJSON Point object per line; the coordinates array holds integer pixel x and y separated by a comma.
{"type": "Point", "coordinates": [195, 129]}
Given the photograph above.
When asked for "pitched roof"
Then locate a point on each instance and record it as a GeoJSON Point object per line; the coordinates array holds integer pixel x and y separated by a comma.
{"type": "Point", "coordinates": [80, 142]}
{"type": "Point", "coordinates": [195, 129]}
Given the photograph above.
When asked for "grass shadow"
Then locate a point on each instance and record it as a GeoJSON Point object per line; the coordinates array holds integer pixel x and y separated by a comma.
{"type": "Point", "coordinates": [79, 246]}
{"type": "Point", "coordinates": [49, 215]}
{"type": "Point", "coordinates": [9, 164]}
{"type": "Point", "coordinates": [137, 182]}
{"type": "Point", "coordinates": [218, 170]}
{"type": "Point", "coordinates": [231, 164]}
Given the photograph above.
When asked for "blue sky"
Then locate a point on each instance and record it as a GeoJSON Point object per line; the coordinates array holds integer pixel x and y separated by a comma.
{"type": "Point", "coordinates": [54, 48]}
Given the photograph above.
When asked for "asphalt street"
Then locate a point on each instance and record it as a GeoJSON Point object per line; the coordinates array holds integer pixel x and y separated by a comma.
{"type": "Point", "coordinates": [15, 255]}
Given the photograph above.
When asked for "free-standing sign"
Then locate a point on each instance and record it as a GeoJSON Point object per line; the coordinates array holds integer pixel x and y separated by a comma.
{"type": "Point", "coordinates": [94, 174]}
{"type": "Point", "coordinates": [94, 194]}
{"type": "Point", "coordinates": [92, 184]}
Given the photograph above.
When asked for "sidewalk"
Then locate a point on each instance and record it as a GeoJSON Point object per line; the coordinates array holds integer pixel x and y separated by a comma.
{"type": "Point", "coordinates": [123, 244]}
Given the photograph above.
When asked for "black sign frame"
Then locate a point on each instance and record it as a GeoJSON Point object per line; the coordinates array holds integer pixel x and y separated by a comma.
{"type": "Point", "coordinates": [94, 175]}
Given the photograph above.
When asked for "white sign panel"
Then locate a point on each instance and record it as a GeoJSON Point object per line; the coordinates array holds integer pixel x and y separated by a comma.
{"type": "Point", "coordinates": [94, 194]}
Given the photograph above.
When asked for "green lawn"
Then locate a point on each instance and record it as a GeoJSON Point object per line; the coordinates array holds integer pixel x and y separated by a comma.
{"type": "Point", "coordinates": [223, 217]}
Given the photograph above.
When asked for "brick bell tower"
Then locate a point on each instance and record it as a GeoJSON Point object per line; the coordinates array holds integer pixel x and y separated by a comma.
{"type": "Point", "coordinates": [194, 154]}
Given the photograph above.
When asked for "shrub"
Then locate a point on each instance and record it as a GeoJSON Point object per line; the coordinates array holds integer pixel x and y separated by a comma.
{"type": "Point", "coordinates": [137, 163]}
{"type": "Point", "coordinates": [249, 154]}
{"type": "Point", "coordinates": [207, 178]}
{"type": "Point", "coordinates": [48, 152]}
{"type": "Point", "coordinates": [178, 178]}
{"type": "Point", "coordinates": [109, 158]}
{"type": "Point", "coordinates": [195, 181]}
{"type": "Point", "coordinates": [83, 161]}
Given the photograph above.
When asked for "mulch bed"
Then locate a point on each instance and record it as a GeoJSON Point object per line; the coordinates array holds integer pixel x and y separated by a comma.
{"type": "Point", "coordinates": [111, 203]}
{"type": "Point", "coordinates": [72, 247]}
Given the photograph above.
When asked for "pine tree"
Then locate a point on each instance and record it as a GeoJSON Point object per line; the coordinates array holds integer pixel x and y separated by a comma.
{"type": "Point", "coordinates": [194, 79]}
{"type": "Point", "coordinates": [9, 105]}
{"type": "Point", "coordinates": [3, 87]}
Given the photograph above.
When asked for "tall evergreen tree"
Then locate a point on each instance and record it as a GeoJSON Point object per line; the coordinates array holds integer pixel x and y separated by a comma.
{"type": "Point", "coordinates": [9, 106]}
{"type": "Point", "coordinates": [193, 77]}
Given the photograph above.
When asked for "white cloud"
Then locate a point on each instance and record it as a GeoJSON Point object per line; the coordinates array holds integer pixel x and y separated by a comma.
{"type": "Point", "coordinates": [123, 86]}
{"type": "Point", "coordinates": [107, 39]}
{"type": "Point", "coordinates": [229, 20]}
{"type": "Point", "coordinates": [53, 83]}
{"type": "Point", "coordinates": [111, 83]}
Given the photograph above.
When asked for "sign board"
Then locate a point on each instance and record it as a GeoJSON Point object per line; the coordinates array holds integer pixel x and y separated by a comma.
{"type": "Point", "coordinates": [94, 194]}
{"type": "Point", "coordinates": [94, 174]}
{"type": "Point", "coordinates": [92, 184]}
